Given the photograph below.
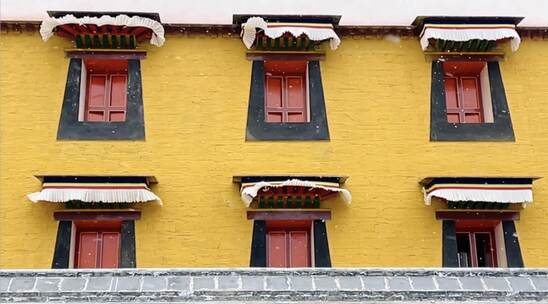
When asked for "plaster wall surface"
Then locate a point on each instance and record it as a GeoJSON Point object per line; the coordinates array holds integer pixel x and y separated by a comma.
{"type": "Point", "coordinates": [196, 90]}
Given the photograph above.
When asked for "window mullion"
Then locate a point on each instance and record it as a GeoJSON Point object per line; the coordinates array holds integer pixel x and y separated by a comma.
{"type": "Point", "coordinates": [99, 249]}
{"type": "Point", "coordinates": [285, 116]}
{"type": "Point", "coordinates": [108, 97]}
{"type": "Point", "coordinates": [287, 248]}
{"type": "Point", "coordinates": [460, 100]}
{"type": "Point", "coordinates": [473, 251]}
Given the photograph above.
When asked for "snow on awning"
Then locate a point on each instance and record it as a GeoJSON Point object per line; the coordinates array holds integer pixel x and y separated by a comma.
{"type": "Point", "coordinates": [468, 32]}
{"type": "Point", "coordinates": [249, 191]}
{"type": "Point", "coordinates": [314, 31]}
{"type": "Point", "coordinates": [94, 190]}
{"type": "Point", "coordinates": [495, 190]}
{"type": "Point", "coordinates": [48, 25]}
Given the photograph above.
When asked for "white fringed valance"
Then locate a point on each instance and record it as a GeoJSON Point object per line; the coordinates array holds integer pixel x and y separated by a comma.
{"type": "Point", "coordinates": [94, 193]}
{"type": "Point", "coordinates": [467, 32]}
{"type": "Point", "coordinates": [48, 25]}
{"type": "Point", "coordinates": [480, 193]}
{"type": "Point", "coordinates": [249, 191]}
{"type": "Point", "coordinates": [314, 31]}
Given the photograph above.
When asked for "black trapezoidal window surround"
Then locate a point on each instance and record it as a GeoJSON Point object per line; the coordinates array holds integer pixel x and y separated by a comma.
{"type": "Point", "coordinates": [511, 244]}
{"type": "Point", "coordinates": [441, 130]}
{"type": "Point", "coordinates": [320, 245]}
{"type": "Point", "coordinates": [64, 244]}
{"type": "Point", "coordinates": [259, 129]}
{"type": "Point", "coordinates": [70, 128]}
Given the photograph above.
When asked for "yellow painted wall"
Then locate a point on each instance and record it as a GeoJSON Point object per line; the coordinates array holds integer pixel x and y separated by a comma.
{"type": "Point", "coordinates": [196, 95]}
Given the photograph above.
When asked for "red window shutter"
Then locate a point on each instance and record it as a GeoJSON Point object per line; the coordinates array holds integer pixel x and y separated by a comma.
{"type": "Point", "coordinates": [296, 98]}
{"type": "Point", "coordinates": [110, 249]}
{"type": "Point", "coordinates": [88, 244]}
{"type": "Point", "coordinates": [96, 98]}
{"type": "Point", "coordinates": [299, 249]}
{"type": "Point", "coordinates": [274, 98]}
{"type": "Point", "coordinates": [470, 94]}
{"type": "Point", "coordinates": [451, 98]}
{"type": "Point", "coordinates": [295, 92]}
{"type": "Point", "coordinates": [277, 249]}
{"type": "Point", "coordinates": [471, 101]}
{"type": "Point", "coordinates": [118, 93]}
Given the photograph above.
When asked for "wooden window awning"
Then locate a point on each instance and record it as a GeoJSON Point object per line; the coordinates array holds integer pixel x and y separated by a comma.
{"type": "Point", "coordinates": [95, 189]}
{"type": "Point", "coordinates": [316, 188]}
{"type": "Point", "coordinates": [120, 31]}
{"type": "Point", "coordinates": [479, 189]}
{"type": "Point", "coordinates": [256, 27]}
{"type": "Point", "coordinates": [467, 37]}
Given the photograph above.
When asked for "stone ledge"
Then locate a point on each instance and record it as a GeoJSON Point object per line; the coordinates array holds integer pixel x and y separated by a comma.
{"type": "Point", "coordinates": [267, 285]}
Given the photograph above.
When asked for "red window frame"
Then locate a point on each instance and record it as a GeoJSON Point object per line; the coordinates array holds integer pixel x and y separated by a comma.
{"type": "Point", "coordinates": [286, 93]}
{"type": "Point", "coordinates": [284, 243]}
{"type": "Point", "coordinates": [106, 90]}
{"type": "Point", "coordinates": [463, 98]}
{"type": "Point", "coordinates": [472, 229]}
{"type": "Point", "coordinates": [97, 244]}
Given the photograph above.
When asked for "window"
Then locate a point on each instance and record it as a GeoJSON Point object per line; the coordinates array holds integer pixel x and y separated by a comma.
{"type": "Point", "coordinates": [106, 90]}
{"type": "Point", "coordinates": [89, 239]}
{"type": "Point", "coordinates": [288, 244]}
{"type": "Point", "coordinates": [480, 239]}
{"type": "Point", "coordinates": [97, 244]}
{"type": "Point", "coordinates": [103, 99]}
{"type": "Point", "coordinates": [286, 100]}
{"type": "Point", "coordinates": [468, 102]}
{"type": "Point", "coordinates": [467, 95]}
{"type": "Point", "coordinates": [284, 242]}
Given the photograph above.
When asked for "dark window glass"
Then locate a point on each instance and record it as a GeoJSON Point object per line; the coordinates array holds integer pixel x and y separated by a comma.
{"type": "Point", "coordinates": [484, 249]}
{"type": "Point", "coordinates": [475, 249]}
{"type": "Point", "coordinates": [463, 249]}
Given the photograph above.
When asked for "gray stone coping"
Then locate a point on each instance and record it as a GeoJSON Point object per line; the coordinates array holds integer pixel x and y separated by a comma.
{"type": "Point", "coordinates": [274, 285]}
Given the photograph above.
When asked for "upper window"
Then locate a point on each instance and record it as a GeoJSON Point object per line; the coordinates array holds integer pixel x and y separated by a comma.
{"type": "Point", "coordinates": [467, 95]}
{"type": "Point", "coordinates": [106, 92]}
{"type": "Point", "coordinates": [468, 102]}
{"type": "Point", "coordinates": [103, 100]}
{"type": "Point", "coordinates": [103, 93]}
{"type": "Point", "coordinates": [286, 99]}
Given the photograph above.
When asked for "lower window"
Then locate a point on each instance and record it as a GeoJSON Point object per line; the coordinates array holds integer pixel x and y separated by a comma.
{"type": "Point", "coordinates": [95, 239]}
{"type": "Point", "coordinates": [288, 244]}
{"type": "Point", "coordinates": [284, 243]}
{"type": "Point", "coordinates": [480, 242]}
